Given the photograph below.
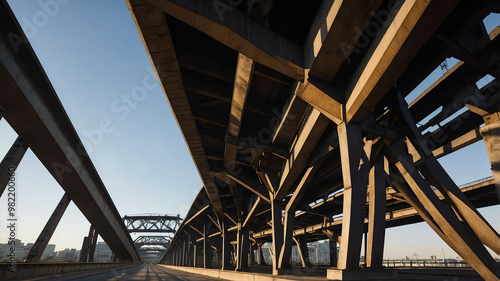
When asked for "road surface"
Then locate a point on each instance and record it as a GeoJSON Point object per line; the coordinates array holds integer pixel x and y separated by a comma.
{"type": "Point", "coordinates": [141, 272]}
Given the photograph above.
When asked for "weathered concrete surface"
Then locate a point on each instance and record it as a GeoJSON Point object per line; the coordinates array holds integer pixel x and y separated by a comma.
{"type": "Point", "coordinates": [491, 137]}
{"type": "Point", "coordinates": [361, 274]}
{"type": "Point", "coordinates": [24, 270]}
{"type": "Point", "coordinates": [242, 276]}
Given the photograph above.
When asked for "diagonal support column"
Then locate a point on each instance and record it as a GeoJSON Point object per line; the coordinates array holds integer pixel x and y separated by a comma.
{"type": "Point", "coordinates": [289, 219]}
{"type": "Point", "coordinates": [459, 236]}
{"type": "Point", "coordinates": [303, 252]}
{"type": "Point", "coordinates": [355, 177]}
{"type": "Point", "coordinates": [435, 173]}
{"type": "Point", "coordinates": [36, 251]}
{"type": "Point", "coordinates": [11, 160]}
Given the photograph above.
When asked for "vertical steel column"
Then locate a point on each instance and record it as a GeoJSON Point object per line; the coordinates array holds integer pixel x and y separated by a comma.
{"type": "Point", "coordinates": [36, 251]}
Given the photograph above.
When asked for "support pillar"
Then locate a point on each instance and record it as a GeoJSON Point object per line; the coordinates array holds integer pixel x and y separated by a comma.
{"type": "Point", "coordinates": [36, 251]}
{"type": "Point", "coordinates": [226, 248]}
{"type": "Point", "coordinates": [355, 178]}
{"type": "Point", "coordinates": [93, 243]}
{"type": "Point", "coordinates": [491, 137]}
{"type": "Point", "coordinates": [286, 251]}
{"type": "Point", "coordinates": [195, 255]}
{"type": "Point", "coordinates": [376, 214]}
{"type": "Point", "coordinates": [260, 255]}
{"type": "Point", "coordinates": [242, 248]}
{"type": "Point", "coordinates": [184, 254]}
{"type": "Point", "coordinates": [207, 257]}
{"type": "Point", "coordinates": [277, 235]}
{"type": "Point", "coordinates": [333, 251]}
{"type": "Point", "coordinates": [11, 160]}
{"type": "Point", "coordinates": [88, 247]}
{"type": "Point", "coordinates": [251, 255]}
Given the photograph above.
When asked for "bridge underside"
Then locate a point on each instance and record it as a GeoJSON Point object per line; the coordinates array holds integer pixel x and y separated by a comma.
{"type": "Point", "coordinates": [295, 116]}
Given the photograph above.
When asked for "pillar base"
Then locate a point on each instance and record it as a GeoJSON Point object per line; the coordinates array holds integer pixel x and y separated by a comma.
{"type": "Point", "coordinates": [360, 274]}
{"type": "Point", "coordinates": [282, 271]}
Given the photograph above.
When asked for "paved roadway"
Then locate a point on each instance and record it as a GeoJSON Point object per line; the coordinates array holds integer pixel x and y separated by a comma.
{"type": "Point", "coordinates": [142, 273]}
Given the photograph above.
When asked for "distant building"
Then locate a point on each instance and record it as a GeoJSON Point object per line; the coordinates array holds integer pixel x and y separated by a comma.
{"type": "Point", "coordinates": [102, 252]}
{"type": "Point", "coordinates": [67, 255]}
{"type": "Point", "coordinates": [48, 253]}
{"type": "Point", "coordinates": [21, 251]}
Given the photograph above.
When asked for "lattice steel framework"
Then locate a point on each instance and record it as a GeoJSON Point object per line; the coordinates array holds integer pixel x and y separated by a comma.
{"type": "Point", "coordinates": [152, 241]}
{"type": "Point", "coordinates": [152, 223]}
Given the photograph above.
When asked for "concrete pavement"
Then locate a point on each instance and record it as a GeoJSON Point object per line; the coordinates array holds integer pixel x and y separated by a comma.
{"type": "Point", "coordinates": [142, 272]}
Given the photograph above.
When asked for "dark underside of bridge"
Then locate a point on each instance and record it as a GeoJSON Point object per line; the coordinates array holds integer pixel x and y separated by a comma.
{"type": "Point", "coordinates": [295, 115]}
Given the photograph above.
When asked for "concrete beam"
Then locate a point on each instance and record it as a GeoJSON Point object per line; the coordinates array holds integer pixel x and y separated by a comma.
{"type": "Point", "coordinates": [458, 143]}
{"type": "Point", "coordinates": [336, 28]}
{"type": "Point", "coordinates": [241, 89]}
{"type": "Point", "coordinates": [237, 31]}
{"type": "Point", "coordinates": [385, 62]}
{"type": "Point", "coordinates": [290, 120]}
{"type": "Point", "coordinates": [160, 42]}
{"type": "Point", "coordinates": [314, 127]}
{"type": "Point", "coordinates": [323, 98]}
{"type": "Point", "coordinates": [251, 185]}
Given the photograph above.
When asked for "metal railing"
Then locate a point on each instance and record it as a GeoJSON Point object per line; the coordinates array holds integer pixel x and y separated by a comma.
{"type": "Point", "coordinates": [475, 182]}
{"type": "Point", "coordinates": [424, 263]}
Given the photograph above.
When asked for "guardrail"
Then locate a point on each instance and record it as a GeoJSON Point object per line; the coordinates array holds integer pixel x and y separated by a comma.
{"type": "Point", "coordinates": [475, 182]}
{"type": "Point", "coordinates": [424, 263]}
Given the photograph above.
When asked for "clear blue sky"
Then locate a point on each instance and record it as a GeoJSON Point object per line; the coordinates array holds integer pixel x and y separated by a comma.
{"type": "Point", "coordinates": [94, 57]}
